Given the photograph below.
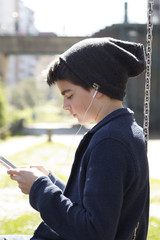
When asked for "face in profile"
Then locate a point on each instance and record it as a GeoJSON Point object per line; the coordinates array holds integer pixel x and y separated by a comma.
{"type": "Point", "coordinates": [76, 100]}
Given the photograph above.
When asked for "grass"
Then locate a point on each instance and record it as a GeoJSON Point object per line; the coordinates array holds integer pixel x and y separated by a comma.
{"type": "Point", "coordinates": [155, 197]}
{"type": "Point", "coordinates": [55, 157]}
{"type": "Point", "coordinates": [50, 154]}
{"type": "Point", "coordinates": [154, 229]}
{"type": "Point", "coordinates": [19, 225]}
{"type": "Point", "coordinates": [48, 112]}
{"type": "Point", "coordinates": [23, 221]}
{"type": "Point", "coordinates": [154, 221]}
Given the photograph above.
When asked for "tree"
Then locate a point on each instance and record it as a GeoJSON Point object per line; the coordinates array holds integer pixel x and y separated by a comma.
{"type": "Point", "coordinates": [25, 94]}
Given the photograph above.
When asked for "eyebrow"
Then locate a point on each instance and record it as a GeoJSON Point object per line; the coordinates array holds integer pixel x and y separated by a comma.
{"type": "Point", "coordinates": [65, 91]}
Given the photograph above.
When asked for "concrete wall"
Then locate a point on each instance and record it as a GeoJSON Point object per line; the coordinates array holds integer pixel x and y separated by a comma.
{"type": "Point", "coordinates": [36, 44]}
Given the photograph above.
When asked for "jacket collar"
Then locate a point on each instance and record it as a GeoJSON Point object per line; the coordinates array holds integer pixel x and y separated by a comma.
{"type": "Point", "coordinates": [115, 114]}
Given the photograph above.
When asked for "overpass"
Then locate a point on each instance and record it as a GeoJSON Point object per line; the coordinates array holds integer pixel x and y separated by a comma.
{"type": "Point", "coordinates": [32, 45]}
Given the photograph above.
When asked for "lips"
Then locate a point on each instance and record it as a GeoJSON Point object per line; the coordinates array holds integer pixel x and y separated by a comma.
{"type": "Point", "coordinates": [73, 114]}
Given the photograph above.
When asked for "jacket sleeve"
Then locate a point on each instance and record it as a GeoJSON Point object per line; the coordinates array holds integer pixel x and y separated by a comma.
{"type": "Point", "coordinates": [56, 181]}
{"type": "Point", "coordinates": [98, 217]}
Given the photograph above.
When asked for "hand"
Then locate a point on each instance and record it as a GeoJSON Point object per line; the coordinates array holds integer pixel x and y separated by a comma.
{"type": "Point", "coordinates": [25, 177]}
{"type": "Point", "coordinates": [40, 168]}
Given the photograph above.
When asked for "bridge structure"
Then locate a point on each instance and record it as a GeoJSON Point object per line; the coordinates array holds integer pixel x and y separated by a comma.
{"type": "Point", "coordinates": [34, 45]}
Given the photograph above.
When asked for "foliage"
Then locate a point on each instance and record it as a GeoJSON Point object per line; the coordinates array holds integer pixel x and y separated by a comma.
{"type": "Point", "coordinates": [31, 102]}
{"type": "Point", "coordinates": [2, 107]}
{"type": "Point", "coordinates": [48, 112]}
{"type": "Point", "coordinates": [51, 112]}
{"type": "Point", "coordinates": [25, 94]}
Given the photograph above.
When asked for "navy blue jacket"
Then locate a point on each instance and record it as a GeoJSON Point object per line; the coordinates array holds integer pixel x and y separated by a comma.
{"type": "Point", "coordinates": [107, 193]}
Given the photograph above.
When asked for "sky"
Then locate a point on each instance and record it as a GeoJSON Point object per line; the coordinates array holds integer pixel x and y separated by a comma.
{"type": "Point", "coordinates": [83, 17]}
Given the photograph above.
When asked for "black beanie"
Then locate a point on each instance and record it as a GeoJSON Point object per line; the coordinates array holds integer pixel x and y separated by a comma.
{"type": "Point", "coordinates": [106, 63]}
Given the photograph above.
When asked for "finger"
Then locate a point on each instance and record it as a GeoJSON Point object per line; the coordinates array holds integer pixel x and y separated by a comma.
{"type": "Point", "coordinates": [15, 178]}
{"type": "Point", "coordinates": [23, 190]}
{"type": "Point", "coordinates": [13, 171]}
{"type": "Point", "coordinates": [16, 171]}
{"type": "Point", "coordinates": [41, 168]}
{"type": "Point", "coordinates": [35, 166]}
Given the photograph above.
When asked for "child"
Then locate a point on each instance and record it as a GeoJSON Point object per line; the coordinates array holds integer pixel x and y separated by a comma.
{"type": "Point", "coordinates": [107, 194]}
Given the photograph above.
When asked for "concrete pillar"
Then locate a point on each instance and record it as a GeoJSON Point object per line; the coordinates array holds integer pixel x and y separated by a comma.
{"type": "Point", "coordinates": [49, 133]}
{"type": "Point", "coordinates": [125, 12]}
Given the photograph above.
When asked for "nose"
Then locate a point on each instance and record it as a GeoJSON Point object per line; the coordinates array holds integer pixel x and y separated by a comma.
{"type": "Point", "coordinates": [66, 106]}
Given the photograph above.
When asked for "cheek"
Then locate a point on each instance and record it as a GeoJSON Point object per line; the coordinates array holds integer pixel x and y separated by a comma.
{"type": "Point", "coordinates": [82, 104]}
{"type": "Point", "coordinates": [79, 106]}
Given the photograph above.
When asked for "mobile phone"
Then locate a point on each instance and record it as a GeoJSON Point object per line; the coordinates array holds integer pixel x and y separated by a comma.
{"type": "Point", "coordinates": [6, 163]}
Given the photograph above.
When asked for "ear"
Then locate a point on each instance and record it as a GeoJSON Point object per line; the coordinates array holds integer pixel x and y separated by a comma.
{"type": "Point", "coordinates": [99, 95]}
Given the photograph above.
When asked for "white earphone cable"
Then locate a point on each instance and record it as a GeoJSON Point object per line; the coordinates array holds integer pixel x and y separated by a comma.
{"type": "Point", "coordinates": [84, 116]}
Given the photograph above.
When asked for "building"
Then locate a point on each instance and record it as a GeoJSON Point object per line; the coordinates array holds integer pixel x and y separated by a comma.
{"type": "Point", "coordinates": [8, 15]}
{"type": "Point", "coordinates": [17, 19]}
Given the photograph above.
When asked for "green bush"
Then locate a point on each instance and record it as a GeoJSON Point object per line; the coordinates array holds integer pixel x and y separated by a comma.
{"type": "Point", "coordinates": [35, 103]}
{"type": "Point", "coordinates": [2, 107]}
{"type": "Point", "coordinates": [25, 94]}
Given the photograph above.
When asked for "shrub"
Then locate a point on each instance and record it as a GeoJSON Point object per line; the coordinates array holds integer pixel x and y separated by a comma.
{"type": "Point", "coordinates": [25, 94]}
{"type": "Point", "coordinates": [2, 106]}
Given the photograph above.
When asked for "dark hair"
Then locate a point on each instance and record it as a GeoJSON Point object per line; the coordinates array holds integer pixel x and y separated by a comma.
{"type": "Point", "coordinates": [58, 70]}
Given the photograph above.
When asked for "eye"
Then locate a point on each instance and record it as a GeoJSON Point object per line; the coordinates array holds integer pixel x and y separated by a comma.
{"type": "Point", "coordinates": [69, 97]}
